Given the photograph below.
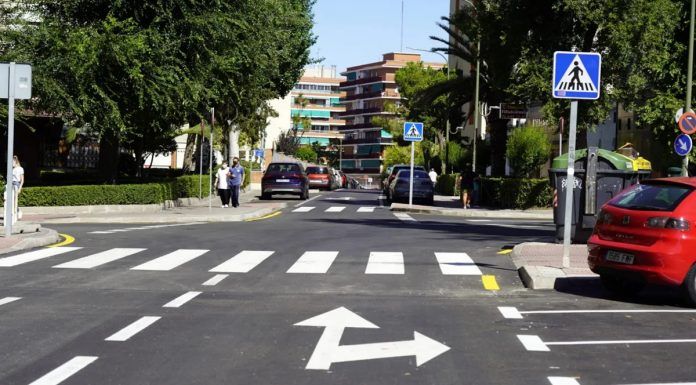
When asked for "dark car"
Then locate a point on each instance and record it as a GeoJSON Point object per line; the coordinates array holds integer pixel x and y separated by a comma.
{"type": "Point", "coordinates": [320, 177]}
{"type": "Point", "coordinates": [423, 188]}
{"type": "Point", "coordinates": [393, 170]}
{"type": "Point", "coordinates": [285, 178]}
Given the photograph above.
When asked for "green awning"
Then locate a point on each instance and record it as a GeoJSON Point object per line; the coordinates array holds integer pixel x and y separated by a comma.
{"type": "Point", "coordinates": [386, 134]}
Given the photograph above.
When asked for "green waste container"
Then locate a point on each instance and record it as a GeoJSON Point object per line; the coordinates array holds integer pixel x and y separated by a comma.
{"type": "Point", "coordinates": [599, 176]}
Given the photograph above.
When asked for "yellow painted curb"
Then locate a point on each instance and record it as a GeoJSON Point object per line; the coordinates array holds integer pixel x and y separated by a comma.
{"type": "Point", "coordinates": [271, 215]}
{"type": "Point", "coordinates": [504, 252]}
{"type": "Point", "coordinates": [489, 282]}
{"type": "Point", "coordinates": [67, 239]}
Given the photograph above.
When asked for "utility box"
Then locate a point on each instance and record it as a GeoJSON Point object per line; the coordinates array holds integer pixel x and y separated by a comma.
{"type": "Point", "coordinates": [599, 176]}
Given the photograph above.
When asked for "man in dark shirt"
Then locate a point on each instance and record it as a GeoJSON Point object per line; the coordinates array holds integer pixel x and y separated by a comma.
{"type": "Point", "coordinates": [466, 185]}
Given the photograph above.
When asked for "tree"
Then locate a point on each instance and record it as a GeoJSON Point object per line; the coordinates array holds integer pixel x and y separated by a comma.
{"type": "Point", "coordinates": [528, 148]}
{"type": "Point", "coordinates": [307, 154]}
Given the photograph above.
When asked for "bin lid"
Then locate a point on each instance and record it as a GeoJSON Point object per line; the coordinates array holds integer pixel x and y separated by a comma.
{"type": "Point", "coordinates": [620, 162]}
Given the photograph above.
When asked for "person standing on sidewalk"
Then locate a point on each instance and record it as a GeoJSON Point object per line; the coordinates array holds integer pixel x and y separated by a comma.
{"type": "Point", "coordinates": [433, 175]}
{"type": "Point", "coordinates": [466, 184]}
{"type": "Point", "coordinates": [236, 175]}
{"type": "Point", "coordinates": [17, 184]}
{"type": "Point", "coordinates": [222, 183]}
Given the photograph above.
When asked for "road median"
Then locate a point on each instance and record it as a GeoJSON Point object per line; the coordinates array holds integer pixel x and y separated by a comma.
{"type": "Point", "coordinates": [473, 212]}
{"type": "Point", "coordinates": [540, 265]}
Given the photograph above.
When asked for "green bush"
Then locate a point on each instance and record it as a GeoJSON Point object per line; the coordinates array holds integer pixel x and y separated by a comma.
{"type": "Point", "coordinates": [447, 185]}
{"type": "Point", "coordinates": [307, 154]}
{"type": "Point", "coordinates": [125, 194]}
{"type": "Point", "coordinates": [514, 193]}
{"type": "Point", "coordinates": [528, 148]}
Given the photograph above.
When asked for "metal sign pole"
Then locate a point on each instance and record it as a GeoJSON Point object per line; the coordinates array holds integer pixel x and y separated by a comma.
{"type": "Point", "coordinates": [200, 162]}
{"type": "Point", "coordinates": [410, 185]}
{"type": "Point", "coordinates": [9, 187]}
{"type": "Point", "coordinates": [210, 176]}
{"type": "Point", "coordinates": [570, 183]}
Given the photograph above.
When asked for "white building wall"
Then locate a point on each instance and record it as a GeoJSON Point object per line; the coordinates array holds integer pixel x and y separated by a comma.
{"type": "Point", "coordinates": [279, 124]}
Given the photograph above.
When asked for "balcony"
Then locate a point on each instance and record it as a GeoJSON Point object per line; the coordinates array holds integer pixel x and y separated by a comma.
{"type": "Point", "coordinates": [371, 79]}
{"type": "Point", "coordinates": [359, 126]}
{"type": "Point", "coordinates": [361, 111]}
{"type": "Point", "coordinates": [375, 155]}
{"type": "Point", "coordinates": [385, 141]}
{"type": "Point", "coordinates": [372, 95]}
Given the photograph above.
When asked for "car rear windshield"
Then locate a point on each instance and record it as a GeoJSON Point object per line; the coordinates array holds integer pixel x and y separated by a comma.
{"type": "Point", "coordinates": [283, 167]}
{"type": "Point", "coordinates": [652, 197]}
{"type": "Point", "coordinates": [416, 174]}
{"type": "Point", "coordinates": [317, 170]}
{"type": "Point", "coordinates": [396, 169]}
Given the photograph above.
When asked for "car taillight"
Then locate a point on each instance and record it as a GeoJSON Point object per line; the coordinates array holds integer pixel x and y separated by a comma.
{"type": "Point", "coordinates": [667, 223]}
{"type": "Point", "coordinates": [604, 218]}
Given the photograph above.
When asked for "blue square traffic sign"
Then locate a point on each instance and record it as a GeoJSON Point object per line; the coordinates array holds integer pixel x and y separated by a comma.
{"type": "Point", "coordinates": [413, 132]}
{"type": "Point", "coordinates": [576, 75]}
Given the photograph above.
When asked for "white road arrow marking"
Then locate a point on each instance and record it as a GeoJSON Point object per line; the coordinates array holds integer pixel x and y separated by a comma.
{"type": "Point", "coordinates": [329, 350]}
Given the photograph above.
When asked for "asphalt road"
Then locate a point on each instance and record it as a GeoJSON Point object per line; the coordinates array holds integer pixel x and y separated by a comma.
{"type": "Point", "coordinates": [403, 300]}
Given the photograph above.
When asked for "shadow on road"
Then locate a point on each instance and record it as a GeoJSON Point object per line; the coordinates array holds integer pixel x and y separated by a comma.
{"type": "Point", "coordinates": [591, 287]}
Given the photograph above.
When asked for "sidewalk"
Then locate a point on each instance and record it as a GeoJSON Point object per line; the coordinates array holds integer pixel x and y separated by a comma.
{"type": "Point", "coordinates": [541, 264]}
{"type": "Point", "coordinates": [451, 206]}
{"type": "Point", "coordinates": [43, 237]}
{"type": "Point", "coordinates": [194, 210]}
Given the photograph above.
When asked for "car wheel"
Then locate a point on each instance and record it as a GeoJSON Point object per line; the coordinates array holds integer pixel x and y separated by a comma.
{"type": "Point", "coordinates": [430, 201]}
{"type": "Point", "coordinates": [689, 286]}
{"type": "Point", "coordinates": [265, 196]}
{"type": "Point", "coordinates": [621, 286]}
{"type": "Point", "coordinates": [305, 195]}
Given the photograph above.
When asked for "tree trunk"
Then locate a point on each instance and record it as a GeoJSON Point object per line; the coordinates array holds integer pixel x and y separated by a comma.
{"type": "Point", "coordinates": [189, 153]}
{"type": "Point", "coordinates": [233, 138]}
{"type": "Point", "coordinates": [139, 159]}
{"type": "Point", "coordinates": [498, 146]}
{"type": "Point", "coordinates": [109, 156]}
{"type": "Point", "coordinates": [443, 151]}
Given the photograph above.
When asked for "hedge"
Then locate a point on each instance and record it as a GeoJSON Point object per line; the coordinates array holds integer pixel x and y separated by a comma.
{"type": "Point", "coordinates": [126, 194]}
{"type": "Point", "coordinates": [503, 193]}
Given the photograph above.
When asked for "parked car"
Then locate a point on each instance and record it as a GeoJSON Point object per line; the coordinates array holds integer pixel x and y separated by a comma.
{"type": "Point", "coordinates": [285, 178]}
{"type": "Point", "coordinates": [392, 171]}
{"type": "Point", "coordinates": [423, 188]}
{"type": "Point", "coordinates": [646, 235]}
{"type": "Point", "coordinates": [320, 177]}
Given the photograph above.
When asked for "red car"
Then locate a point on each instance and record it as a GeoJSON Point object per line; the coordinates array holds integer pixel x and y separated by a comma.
{"type": "Point", "coordinates": [319, 177]}
{"type": "Point", "coordinates": [645, 235]}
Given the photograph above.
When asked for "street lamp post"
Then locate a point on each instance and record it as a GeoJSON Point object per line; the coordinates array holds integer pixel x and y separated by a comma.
{"type": "Point", "coordinates": [447, 128]}
{"type": "Point", "coordinates": [477, 112]}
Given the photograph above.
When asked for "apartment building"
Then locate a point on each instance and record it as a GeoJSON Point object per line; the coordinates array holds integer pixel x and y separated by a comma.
{"type": "Point", "coordinates": [369, 89]}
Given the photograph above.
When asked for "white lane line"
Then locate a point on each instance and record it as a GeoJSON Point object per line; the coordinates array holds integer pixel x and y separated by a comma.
{"type": "Point", "coordinates": [35, 256]}
{"type": "Point", "coordinates": [100, 232]}
{"type": "Point", "coordinates": [132, 329]}
{"type": "Point", "coordinates": [98, 259]}
{"type": "Point", "coordinates": [171, 260]}
{"type": "Point", "coordinates": [668, 383]}
{"type": "Point", "coordinates": [120, 230]}
{"type": "Point", "coordinates": [6, 300]}
{"type": "Point", "coordinates": [367, 209]}
{"type": "Point", "coordinates": [303, 209]}
{"type": "Point", "coordinates": [308, 200]}
{"type": "Point", "coordinates": [533, 343]}
{"type": "Point", "coordinates": [479, 220]}
{"type": "Point", "coordinates": [385, 263]}
{"type": "Point", "coordinates": [242, 262]}
{"type": "Point", "coordinates": [457, 264]}
{"type": "Point", "coordinates": [63, 372]}
{"type": "Point", "coordinates": [405, 217]}
{"type": "Point", "coordinates": [215, 280]}
{"type": "Point", "coordinates": [182, 299]}
{"type": "Point", "coordinates": [335, 209]}
{"type": "Point", "coordinates": [514, 313]}
{"type": "Point", "coordinates": [314, 262]}
{"type": "Point", "coordinates": [563, 381]}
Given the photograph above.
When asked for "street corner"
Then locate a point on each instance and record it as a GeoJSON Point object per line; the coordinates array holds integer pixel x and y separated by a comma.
{"type": "Point", "coordinates": [43, 237]}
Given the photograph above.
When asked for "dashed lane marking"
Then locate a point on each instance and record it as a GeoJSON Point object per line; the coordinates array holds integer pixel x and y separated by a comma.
{"type": "Point", "coordinates": [182, 299]}
{"type": "Point", "coordinates": [513, 313]}
{"type": "Point", "coordinates": [67, 239]}
{"type": "Point", "coordinates": [134, 328]}
{"type": "Point", "coordinates": [215, 280]}
{"type": "Point", "coordinates": [63, 372]}
{"type": "Point", "coordinates": [489, 282]}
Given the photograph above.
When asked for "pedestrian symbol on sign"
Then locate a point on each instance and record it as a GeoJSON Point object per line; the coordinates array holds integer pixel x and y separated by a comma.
{"type": "Point", "coordinates": [576, 78]}
{"type": "Point", "coordinates": [413, 132]}
{"type": "Point", "coordinates": [576, 75]}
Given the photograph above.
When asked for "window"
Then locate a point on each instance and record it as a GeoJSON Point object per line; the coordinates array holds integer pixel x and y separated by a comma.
{"type": "Point", "coordinates": [654, 197]}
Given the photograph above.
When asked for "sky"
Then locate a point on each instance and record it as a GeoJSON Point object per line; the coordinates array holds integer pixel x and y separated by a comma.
{"type": "Point", "coordinates": [354, 32]}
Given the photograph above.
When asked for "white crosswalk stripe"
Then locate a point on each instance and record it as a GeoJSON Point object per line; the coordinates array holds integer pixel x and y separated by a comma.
{"type": "Point", "coordinates": [303, 209]}
{"type": "Point", "coordinates": [385, 263]}
{"type": "Point", "coordinates": [367, 209]}
{"type": "Point", "coordinates": [6, 300]}
{"type": "Point", "coordinates": [242, 262]}
{"type": "Point", "coordinates": [405, 217]}
{"type": "Point", "coordinates": [314, 262]}
{"type": "Point", "coordinates": [63, 372]}
{"type": "Point", "coordinates": [134, 328]}
{"type": "Point", "coordinates": [171, 260]}
{"type": "Point", "coordinates": [335, 209]}
{"type": "Point", "coordinates": [98, 259]}
{"type": "Point", "coordinates": [310, 262]}
{"type": "Point", "coordinates": [457, 264]}
{"type": "Point", "coordinates": [35, 256]}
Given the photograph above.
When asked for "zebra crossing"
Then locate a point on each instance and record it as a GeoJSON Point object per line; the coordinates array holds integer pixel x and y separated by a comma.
{"type": "Point", "coordinates": [334, 209]}
{"type": "Point", "coordinates": [310, 262]}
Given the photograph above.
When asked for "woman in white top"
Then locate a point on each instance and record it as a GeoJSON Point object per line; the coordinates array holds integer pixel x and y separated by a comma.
{"type": "Point", "coordinates": [222, 185]}
{"type": "Point", "coordinates": [17, 183]}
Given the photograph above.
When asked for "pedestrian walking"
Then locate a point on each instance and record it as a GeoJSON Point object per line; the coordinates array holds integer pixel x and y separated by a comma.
{"type": "Point", "coordinates": [222, 183]}
{"type": "Point", "coordinates": [236, 177]}
{"type": "Point", "coordinates": [466, 186]}
{"type": "Point", "coordinates": [433, 175]}
{"type": "Point", "coordinates": [17, 184]}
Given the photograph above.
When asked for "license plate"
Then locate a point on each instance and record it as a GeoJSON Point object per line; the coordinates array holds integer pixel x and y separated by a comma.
{"type": "Point", "coordinates": [618, 257]}
{"type": "Point", "coordinates": [283, 180]}
{"type": "Point", "coordinates": [316, 181]}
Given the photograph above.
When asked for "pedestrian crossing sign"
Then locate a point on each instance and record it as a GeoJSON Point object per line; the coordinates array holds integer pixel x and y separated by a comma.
{"type": "Point", "coordinates": [576, 75]}
{"type": "Point", "coordinates": [413, 132]}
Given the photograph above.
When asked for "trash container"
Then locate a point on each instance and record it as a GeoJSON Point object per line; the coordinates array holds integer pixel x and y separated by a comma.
{"type": "Point", "coordinates": [599, 176]}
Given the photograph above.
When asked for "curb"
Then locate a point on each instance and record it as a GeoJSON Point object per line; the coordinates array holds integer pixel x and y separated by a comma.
{"type": "Point", "coordinates": [46, 237]}
{"type": "Point", "coordinates": [540, 277]}
{"type": "Point", "coordinates": [171, 218]}
{"type": "Point", "coordinates": [471, 213]}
